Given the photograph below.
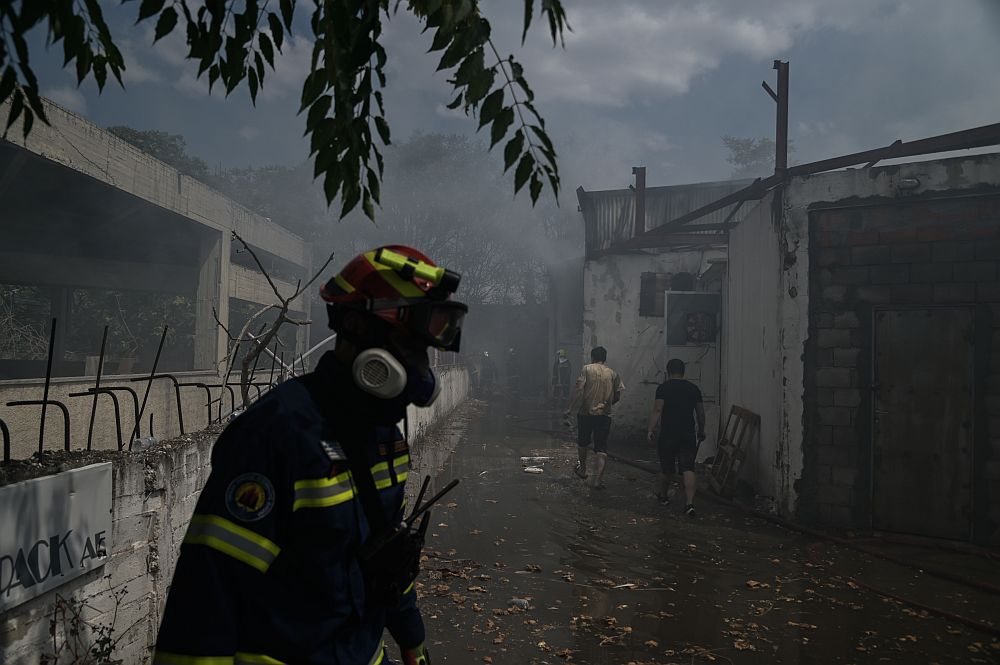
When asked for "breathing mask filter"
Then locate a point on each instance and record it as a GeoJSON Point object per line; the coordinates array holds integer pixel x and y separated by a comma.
{"type": "Point", "coordinates": [377, 372]}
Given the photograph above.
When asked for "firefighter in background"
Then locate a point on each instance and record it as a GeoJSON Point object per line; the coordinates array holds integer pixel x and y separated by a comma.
{"type": "Point", "coordinates": [487, 374]}
{"type": "Point", "coordinates": [561, 376]}
{"type": "Point", "coordinates": [273, 566]}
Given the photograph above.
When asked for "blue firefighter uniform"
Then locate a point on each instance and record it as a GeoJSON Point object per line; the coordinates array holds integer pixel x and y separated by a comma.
{"type": "Point", "coordinates": [267, 571]}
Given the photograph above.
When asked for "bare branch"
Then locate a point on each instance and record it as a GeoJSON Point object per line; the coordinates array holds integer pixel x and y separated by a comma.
{"type": "Point", "coordinates": [296, 322]}
{"type": "Point", "coordinates": [221, 325]}
{"type": "Point", "coordinates": [319, 272]}
{"type": "Point", "coordinates": [260, 266]}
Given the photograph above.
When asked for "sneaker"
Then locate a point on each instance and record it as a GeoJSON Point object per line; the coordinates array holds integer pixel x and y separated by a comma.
{"type": "Point", "coordinates": [580, 471]}
{"type": "Point", "coordinates": [663, 500]}
{"type": "Point", "coordinates": [689, 510]}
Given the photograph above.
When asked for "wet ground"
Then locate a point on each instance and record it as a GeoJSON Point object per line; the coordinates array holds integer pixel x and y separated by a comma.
{"type": "Point", "coordinates": [539, 568]}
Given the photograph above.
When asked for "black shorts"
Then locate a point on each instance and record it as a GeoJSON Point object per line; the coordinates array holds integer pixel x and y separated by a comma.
{"type": "Point", "coordinates": [677, 451]}
{"type": "Point", "coordinates": [598, 426]}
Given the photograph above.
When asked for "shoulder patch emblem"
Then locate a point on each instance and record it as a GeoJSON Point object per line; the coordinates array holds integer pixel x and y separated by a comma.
{"type": "Point", "coordinates": [250, 497]}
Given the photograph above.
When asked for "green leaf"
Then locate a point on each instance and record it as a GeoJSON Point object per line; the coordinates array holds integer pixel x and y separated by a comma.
{"type": "Point", "coordinates": [16, 107]}
{"type": "Point", "coordinates": [318, 110]}
{"type": "Point", "coordinates": [313, 87]}
{"type": "Point", "coordinates": [455, 103]}
{"type": "Point", "coordinates": [373, 186]}
{"type": "Point", "coordinates": [491, 107]}
{"type": "Point", "coordinates": [331, 183]}
{"type": "Point", "coordinates": [166, 23]}
{"type": "Point", "coordinates": [524, 168]}
{"type": "Point", "coordinates": [513, 150]}
{"type": "Point", "coordinates": [528, 10]}
{"type": "Point", "coordinates": [267, 48]}
{"type": "Point", "coordinates": [544, 138]}
{"type": "Point", "coordinates": [441, 39]}
{"type": "Point", "coordinates": [213, 76]}
{"type": "Point", "coordinates": [7, 83]}
{"type": "Point", "coordinates": [351, 196]}
{"type": "Point", "coordinates": [536, 187]}
{"type": "Point", "coordinates": [29, 122]}
{"type": "Point", "coordinates": [503, 121]}
{"type": "Point", "coordinates": [383, 129]}
{"type": "Point", "coordinates": [252, 79]}
{"type": "Point", "coordinates": [149, 8]}
{"type": "Point", "coordinates": [471, 67]}
{"type": "Point", "coordinates": [259, 63]}
{"type": "Point", "coordinates": [368, 206]}
{"type": "Point", "coordinates": [287, 13]}
{"type": "Point", "coordinates": [277, 32]}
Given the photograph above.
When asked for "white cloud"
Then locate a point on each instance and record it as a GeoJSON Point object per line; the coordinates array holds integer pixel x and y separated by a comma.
{"type": "Point", "coordinates": [248, 133]}
{"type": "Point", "coordinates": [67, 96]}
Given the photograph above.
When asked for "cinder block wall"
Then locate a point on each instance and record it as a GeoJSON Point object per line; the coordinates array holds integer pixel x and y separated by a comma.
{"type": "Point", "coordinates": [943, 252]}
{"type": "Point", "coordinates": [154, 495]}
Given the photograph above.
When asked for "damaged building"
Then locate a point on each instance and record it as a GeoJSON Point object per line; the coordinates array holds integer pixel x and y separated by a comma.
{"type": "Point", "coordinates": [858, 318]}
{"type": "Point", "coordinates": [98, 233]}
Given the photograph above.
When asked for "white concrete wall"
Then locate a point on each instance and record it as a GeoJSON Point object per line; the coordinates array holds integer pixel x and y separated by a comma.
{"type": "Point", "coordinates": [454, 389]}
{"type": "Point", "coordinates": [154, 495]}
{"type": "Point", "coordinates": [23, 421]}
{"type": "Point", "coordinates": [636, 345]}
{"type": "Point", "coordinates": [74, 142]}
{"type": "Point", "coordinates": [752, 342]}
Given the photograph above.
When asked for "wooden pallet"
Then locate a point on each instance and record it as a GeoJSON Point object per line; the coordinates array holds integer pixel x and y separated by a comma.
{"type": "Point", "coordinates": [742, 427]}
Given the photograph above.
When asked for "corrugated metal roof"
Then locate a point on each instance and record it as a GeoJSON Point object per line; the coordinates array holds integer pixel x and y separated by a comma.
{"type": "Point", "coordinates": [609, 214]}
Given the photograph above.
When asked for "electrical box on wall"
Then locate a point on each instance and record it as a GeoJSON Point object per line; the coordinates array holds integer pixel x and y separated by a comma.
{"type": "Point", "coordinates": [692, 333]}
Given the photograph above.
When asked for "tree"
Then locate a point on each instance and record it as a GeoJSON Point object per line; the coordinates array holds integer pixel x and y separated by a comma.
{"type": "Point", "coordinates": [751, 157]}
{"type": "Point", "coordinates": [235, 41]}
{"type": "Point", "coordinates": [168, 148]}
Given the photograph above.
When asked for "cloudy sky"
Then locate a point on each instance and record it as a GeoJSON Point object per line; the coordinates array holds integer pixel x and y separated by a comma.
{"type": "Point", "coordinates": [640, 82]}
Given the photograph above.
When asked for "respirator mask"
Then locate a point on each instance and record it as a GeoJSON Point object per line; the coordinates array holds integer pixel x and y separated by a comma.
{"type": "Point", "coordinates": [393, 366]}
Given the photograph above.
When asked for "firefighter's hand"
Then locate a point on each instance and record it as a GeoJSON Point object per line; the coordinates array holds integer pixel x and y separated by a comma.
{"type": "Point", "coordinates": [416, 656]}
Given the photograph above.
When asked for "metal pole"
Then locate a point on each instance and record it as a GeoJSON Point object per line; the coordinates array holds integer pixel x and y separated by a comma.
{"type": "Point", "coordinates": [149, 383]}
{"type": "Point", "coordinates": [97, 387]}
{"type": "Point", "coordinates": [781, 130]}
{"type": "Point", "coordinates": [639, 226]}
{"type": "Point", "coordinates": [48, 380]}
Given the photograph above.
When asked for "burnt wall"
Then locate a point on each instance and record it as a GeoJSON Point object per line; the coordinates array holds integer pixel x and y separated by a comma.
{"type": "Point", "coordinates": [929, 252]}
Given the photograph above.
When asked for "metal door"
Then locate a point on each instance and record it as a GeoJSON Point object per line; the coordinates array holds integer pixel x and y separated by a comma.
{"type": "Point", "coordinates": [922, 444]}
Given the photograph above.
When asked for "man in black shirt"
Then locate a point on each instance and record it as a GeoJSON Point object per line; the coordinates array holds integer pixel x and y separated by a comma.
{"type": "Point", "coordinates": [677, 404]}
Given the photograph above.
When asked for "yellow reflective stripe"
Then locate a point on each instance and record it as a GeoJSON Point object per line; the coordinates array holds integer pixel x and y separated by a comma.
{"type": "Point", "coordinates": [323, 492]}
{"type": "Point", "coordinates": [410, 588]}
{"type": "Point", "coordinates": [379, 655]}
{"type": "Point", "coordinates": [325, 501]}
{"type": "Point", "coordinates": [344, 284]}
{"type": "Point", "coordinates": [242, 657]}
{"type": "Point", "coordinates": [381, 466]}
{"type": "Point", "coordinates": [319, 483]}
{"type": "Point", "coordinates": [401, 460]}
{"type": "Point", "coordinates": [233, 540]}
{"type": "Point", "coordinates": [252, 536]}
{"type": "Point", "coordinates": [164, 658]}
{"type": "Point", "coordinates": [406, 288]}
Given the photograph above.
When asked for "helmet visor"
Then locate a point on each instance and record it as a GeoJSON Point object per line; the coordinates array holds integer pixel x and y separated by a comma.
{"type": "Point", "coordinates": [439, 323]}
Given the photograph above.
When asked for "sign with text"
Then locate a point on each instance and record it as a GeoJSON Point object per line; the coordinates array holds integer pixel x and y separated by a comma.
{"type": "Point", "coordinates": [52, 530]}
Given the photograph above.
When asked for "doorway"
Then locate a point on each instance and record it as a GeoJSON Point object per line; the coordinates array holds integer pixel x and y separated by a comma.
{"type": "Point", "coordinates": [922, 448]}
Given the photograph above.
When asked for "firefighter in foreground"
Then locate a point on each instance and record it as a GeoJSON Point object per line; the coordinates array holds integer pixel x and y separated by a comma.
{"type": "Point", "coordinates": [277, 564]}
